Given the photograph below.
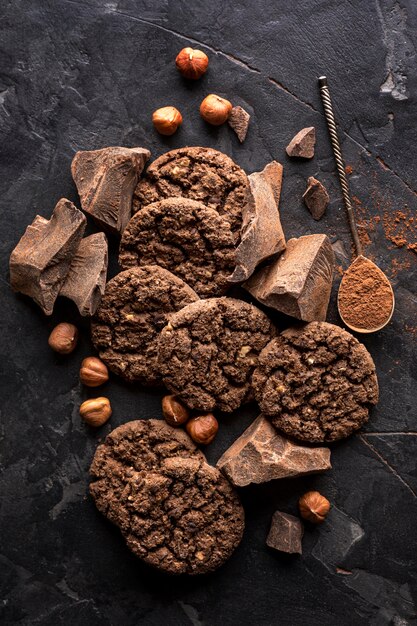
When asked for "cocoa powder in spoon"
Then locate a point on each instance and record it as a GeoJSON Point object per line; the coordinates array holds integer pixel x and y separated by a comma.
{"type": "Point", "coordinates": [365, 297]}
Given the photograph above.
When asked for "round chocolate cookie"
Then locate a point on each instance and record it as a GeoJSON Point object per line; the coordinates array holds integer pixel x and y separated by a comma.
{"type": "Point", "coordinates": [134, 447]}
{"type": "Point", "coordinates": [316, 382]}
{"type": "Point", "coordinates": [184, 519]}
{"type": "Point", "coordinates": [183, 236]}
{"type": "Point", "coordinates": [209, 349]}
{"type": "Point", "coordinates": [136, 305]}
{"type": "Point", "coordinates": [201, 174]}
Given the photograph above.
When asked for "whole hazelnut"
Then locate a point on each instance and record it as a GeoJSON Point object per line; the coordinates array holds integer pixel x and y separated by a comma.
{"type": "Point", "coordinates": [203, 428]}
{"type": "Point", "coordinates": [96, 411]}
{"type": "Point", "coordinates": [314, 507]}
{"type": "Point", "coordinates": [215, 110]}
{"type": "Point", "coordinates": [93, 372]}
{"type": "Point", "coordinates": [192, 63]}
{"type": "Point", "coordinates": [63, 338]}
{"type": "Point", "coordinates": [166, 120]}
{"type": "Point", "coordinates": [174, 412]}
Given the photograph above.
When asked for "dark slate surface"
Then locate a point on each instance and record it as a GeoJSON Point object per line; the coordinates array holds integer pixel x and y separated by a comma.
{"type": "Point", "coordinates": [83, 75]}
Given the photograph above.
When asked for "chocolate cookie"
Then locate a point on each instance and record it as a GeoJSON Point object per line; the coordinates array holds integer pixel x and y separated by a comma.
{"type": "Point", "coordinates": [316, 382]}
{"type": "Point", "coordinates": [184, 519]}
{"type": "Point", "coordinates": [208, 351]}
{"type": "Point", "coordinates": [136, 305]}
{"type": "Point", "coordinates": [134, 447]}
{"type": "Point", "coordinates": [183, 236]}
{"type": "Point", "coordinates": [200, 174]}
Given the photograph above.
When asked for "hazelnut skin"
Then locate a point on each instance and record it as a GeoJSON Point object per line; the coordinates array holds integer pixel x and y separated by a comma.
{"type": "Point", "coordinates": [192, 63]}
{"type": "Point", "coordinates": [203, 428]}
{"type": "Point", "coordinates": [96, 411]}
{"type": "Point", "coordinates": [313, 507]}
{"type": "Point", "coordinates": [174, 412]}
{"type": "Point", "coordinates": [215, 110]}
{"type": "Point", "coordinates": [166, 120]}
{"type": "Point", "coordinates": [93, 372]}
{"type": "Point", "coordinates": [64, 338]}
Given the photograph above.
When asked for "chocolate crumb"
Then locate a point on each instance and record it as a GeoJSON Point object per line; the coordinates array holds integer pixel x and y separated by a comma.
{"type": "Point", "coordinates": [316, 198]}
{"type": "Point", "coordinates": [239, 120]}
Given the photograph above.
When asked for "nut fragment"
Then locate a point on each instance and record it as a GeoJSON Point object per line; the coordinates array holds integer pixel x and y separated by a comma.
{"type": "Point", "coordinates": [63, 339]}
{"type": "Point", "coordinates": [215, 110]}
{"type": "Point", "coordinates": [203, 428]}
{"type": "Point", "coordinates": [93, 372]}
{"type": "Point", "coordinates": [174, 411]}
{"type": "Point", "coordinates": [192, 63]}
{"type": "Point", "coordinates": [166, 120]}
{"type": "Point", "coordinates": [314, 507]}
{"type": "Point", "coordinates": [96, 411]}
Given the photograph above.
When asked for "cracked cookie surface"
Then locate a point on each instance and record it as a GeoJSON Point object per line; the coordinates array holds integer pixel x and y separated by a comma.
{"type": "Point", "coordinates": [201, 174]}
{"type": "Point", "coordinates": [209, 349]}
{"type": "Point", "coordinates": [316, 382]}
{"type": "Point", "coordinates": [136, 305]}
{"type": "Point", "coordinates": [134, 447]}
{"type": "Point", "coordinates": [185, 237]}
{"type": "Point", "coordinates": [184, 519]}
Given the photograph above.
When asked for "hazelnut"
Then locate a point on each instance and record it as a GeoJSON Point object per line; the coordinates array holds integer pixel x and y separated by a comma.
{"type": "Point", "coordinates": [203, 428]}
{"type": "Point", "coordinates": [192, 63]}
{"type": "Point", "coordinates": [96, 411]}
{"type": "Point", "coordinates": [63, 338]}
{"type": "Point", "coordinates": [166, 120]}
{"type": "Point", "coordinates": [314, 507]}
{"type": "Point", "coordinates": [93, 372]}
{"type": "Point", "coordinates": [174, 412]}
{"type": "Point", "coordinates": [215, 110]}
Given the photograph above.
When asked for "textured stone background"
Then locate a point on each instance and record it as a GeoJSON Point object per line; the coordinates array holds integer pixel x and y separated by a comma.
{"type": "Point", "coordinates": [86, 74]}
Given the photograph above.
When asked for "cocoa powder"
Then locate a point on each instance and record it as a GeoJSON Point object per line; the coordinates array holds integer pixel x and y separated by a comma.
{"type": "Point", "coordinates": [365, 296]}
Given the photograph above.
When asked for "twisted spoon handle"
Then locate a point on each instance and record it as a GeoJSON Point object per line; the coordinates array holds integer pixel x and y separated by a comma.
{"type": "Point", "coordinates": [331, 125]}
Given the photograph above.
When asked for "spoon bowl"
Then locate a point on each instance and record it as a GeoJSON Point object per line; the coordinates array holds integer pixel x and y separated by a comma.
{"type": "Point", "coordinates": [366, 289]}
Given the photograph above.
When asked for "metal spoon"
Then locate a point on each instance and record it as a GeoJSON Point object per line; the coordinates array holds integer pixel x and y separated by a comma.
{"type": "Point", "coordinates": [360, 258]}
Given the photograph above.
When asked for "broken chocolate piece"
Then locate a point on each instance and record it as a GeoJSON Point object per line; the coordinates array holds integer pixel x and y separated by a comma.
{"type": "Point", "coordinates": [262, 454]}
{"type": "Point", "coordinates": [106, 180]}
{"type": "Point", "coordinates": [239, 120]}
{"type": "Point", "coordinates": [86, 278]}
{"type": "Point", "coordinates": [285, 533]}
{"type": "Point", "coordinates": [41, 260]}
{"type": "Point", "coordinates": [299, 282]}
{"type": "Point", "coordinates": [263, 236]}
{"type": "Point", "coordinates": [302, 145]}
{"type": "Point", "coordinates": [316, 197]}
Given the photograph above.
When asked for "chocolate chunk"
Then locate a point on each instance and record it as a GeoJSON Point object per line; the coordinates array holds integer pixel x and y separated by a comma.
{"type": "Point", "coordinates": [261, 454]}
{"type": "Point", "coordinates": [285, 533]}
{"type": "Point", "coordinates": [106, 180]}
{"type": "Point", "coordinates": [263, 236]}
{"type": "Point", "coordinates": [302, 145]}
{"type": "Point", "coordinates": [316, 197]}
{"type": "Point", "coordinates": [86, 279]}
{"type": "Point", "coordinates": [299, 282]}
{"type": "Point", "coordinates": [239, 120]}
{"type": "Point", "coordinates": [40, 262]}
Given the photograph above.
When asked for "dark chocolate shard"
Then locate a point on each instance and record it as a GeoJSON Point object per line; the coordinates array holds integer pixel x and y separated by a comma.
{"type": "Point", "coordinates": [106, 180]}
{"type": "Point", "coordinates": [41, 260]}
{"type": "Point", "coordinates": [316, 197]}
{"type": "Point", "coordinates": [86, 279]}
{"type": "Point", "coordinates": [299, 282]}
{"type": "Point", "coordinates": [261, 454]}
{"type": "Point", "coordinates": [302, 145]}
{"type": "Point", "coordinates": [239, 120]}
{"type": "Point", "coordinates": [286, 533]}
{"type": "Point", "coordinates": [263, 236]}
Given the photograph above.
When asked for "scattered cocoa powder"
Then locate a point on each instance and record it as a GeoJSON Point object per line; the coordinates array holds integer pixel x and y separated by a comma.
{"type": "Point", "coordinates": [348, 169]}
{"type": "Point", "coordinates": [365, 296]}
{"type": "Point", "coordinates": [400, 227]}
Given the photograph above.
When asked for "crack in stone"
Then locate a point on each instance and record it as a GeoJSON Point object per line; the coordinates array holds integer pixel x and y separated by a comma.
{"type": "Point", "coordinates": [385, 462]}
{"type": "Point", "coordinates": [391, 434]}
